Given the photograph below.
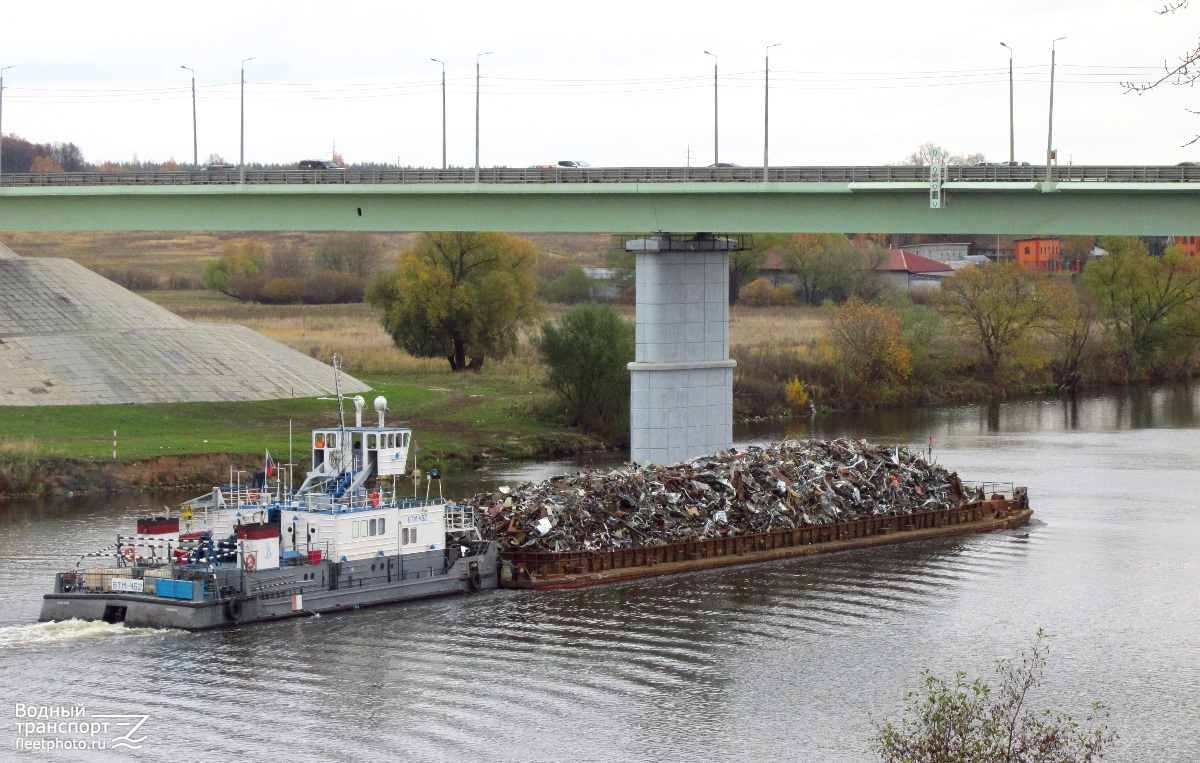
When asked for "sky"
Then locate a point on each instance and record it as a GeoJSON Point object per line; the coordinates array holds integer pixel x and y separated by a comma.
{"type": "Point", "coordinates": [616, 83]}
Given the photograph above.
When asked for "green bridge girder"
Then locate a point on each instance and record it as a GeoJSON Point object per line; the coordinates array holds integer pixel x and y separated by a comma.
{"type": "Point", "coordinates": [1070, 207]}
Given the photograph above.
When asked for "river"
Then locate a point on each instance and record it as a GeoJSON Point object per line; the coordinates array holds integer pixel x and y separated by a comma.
{"type": "Point", "coordinates": [780, 660]}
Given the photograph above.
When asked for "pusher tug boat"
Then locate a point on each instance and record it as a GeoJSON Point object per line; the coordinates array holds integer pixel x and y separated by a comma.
{"type": "Point", "coordinates": [346, 538]}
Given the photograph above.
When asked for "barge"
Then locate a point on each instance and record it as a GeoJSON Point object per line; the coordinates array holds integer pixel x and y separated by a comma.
{"type": "Point", "coordinates": [348, 537]}
{"type": "Point", "coordinates": [574, 569]}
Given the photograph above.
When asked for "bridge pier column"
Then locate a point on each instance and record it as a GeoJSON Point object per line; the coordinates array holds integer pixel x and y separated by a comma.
{"type": "Point", "coordinates": [682, 378]}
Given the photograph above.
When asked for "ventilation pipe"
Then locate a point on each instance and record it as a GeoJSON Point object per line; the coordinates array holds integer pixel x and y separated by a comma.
{"type": "Point", "coordinates": [381, 408]}
{"type": "Point", "coordinates": [359, 403]}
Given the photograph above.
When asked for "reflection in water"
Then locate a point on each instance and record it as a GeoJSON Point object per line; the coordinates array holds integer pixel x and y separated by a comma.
{"type": "Point", "coordinates": [737, 663]}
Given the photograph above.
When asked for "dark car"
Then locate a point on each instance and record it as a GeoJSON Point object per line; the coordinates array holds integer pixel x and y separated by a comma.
{"type": "Point", "coordinates": [319, 164]}
{"type": "Point", "coordinates": [218, 167]}
{"type": "Point", "coordinates": [722, 165]}
{"type": "Point", "coordinates": [573, 164]}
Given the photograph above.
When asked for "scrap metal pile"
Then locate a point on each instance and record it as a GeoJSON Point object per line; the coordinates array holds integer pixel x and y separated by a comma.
{"type": "Point", "coordinates": [784, 486]}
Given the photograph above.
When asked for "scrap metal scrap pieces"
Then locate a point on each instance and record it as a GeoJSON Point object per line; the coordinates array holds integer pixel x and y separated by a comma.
{"type": "Point", "coordinates": [792, 484]}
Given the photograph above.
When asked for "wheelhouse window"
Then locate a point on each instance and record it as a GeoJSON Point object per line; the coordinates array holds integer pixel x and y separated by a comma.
{"type": "Point", "coordinates": [373, 527]}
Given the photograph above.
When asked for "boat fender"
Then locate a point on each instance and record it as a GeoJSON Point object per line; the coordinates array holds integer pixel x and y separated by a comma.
{"type": "Point", "coordinates": [128, 554]}
{"type": "Point", "coordinates": [475, 580]}
{"type": "Point", "coordinates": [233, 608]}
{"type": "Point", "coordinates": [375, 498]}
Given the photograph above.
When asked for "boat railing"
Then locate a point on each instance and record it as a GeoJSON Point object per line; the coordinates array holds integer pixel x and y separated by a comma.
{"type": "Point", "coordinates": [987, 489]}
{"type": "Point", "coordinates": [463, 519]}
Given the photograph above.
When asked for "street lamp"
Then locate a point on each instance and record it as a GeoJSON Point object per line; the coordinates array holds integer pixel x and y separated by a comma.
{"type": "Point", "coordinates": [716, 153]}
{"type": "Point", "coordinates": [767, 105]}
{"type": "Point", "coordinates": [1050, 127]}
{"type": "Point", "coordinates": [242, 145]}
{"type": "Point", "coordinates": [1012, 156]}
{"type": "Point", "coordinates": [443, 63]}
{"type": "Point", "coordinates": [477, 57]}
{"type": "Point", "coordinates": [195, 144]}
{"type": "Point", "coordinates": [2, 70]}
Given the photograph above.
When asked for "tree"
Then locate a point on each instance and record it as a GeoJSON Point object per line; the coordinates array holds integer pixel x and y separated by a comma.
{"type": "Point", "coordinates": [967, 722]}
{"type": "Point", "coordinates": [1071, 324]}
{"type": "Point", "coordinates": [824, 265]}
{"type": "Point", "coordinates": [999, 304]}
{"type": "Point", "coordinates": [353, 253]}
{"type": "Point", "coordinates": [1148, 303]}
{"type": "Point", "coordinates": [45, 164]}
{"type": "Point", "coordinates": [239, 260]}
{"type": "Point", "coordinates": [923, 157]}
{"type": "Point", "coordinates": [586, 353]}
{"type": "Point", "coordinates": [460, 296]}
{"type": "Point", "coordinates": [1186, 72]}
{"type": "Point", "coordinates": [867, 342]}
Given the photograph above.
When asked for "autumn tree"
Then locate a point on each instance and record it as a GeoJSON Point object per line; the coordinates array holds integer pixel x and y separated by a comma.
{"type": "Point", "coordinates": [825, 265]}
{"type": "Point", "coordinates": [353, 253]}
{"type": "Point", "coordinates": [45, 164]}
{"type": "Point", "coordinates": [998, 305]}
{"type": "Point", "coordinates": [1071, 323]}
{"type": "Point", "coordinates": [1148, 303]}
{"type": "Point", "coordinates": [963, 721]}
{"type": "Point", "coordinates": [459, 296]}
{"type": "Point", "coordinates": [586, 353]}
{"type": "Point", "coordinates": [867, 342]}
{"type": "Point", "coordinates": [239, 260]}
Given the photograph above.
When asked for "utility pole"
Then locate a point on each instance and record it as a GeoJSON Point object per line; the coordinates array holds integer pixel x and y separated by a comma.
{"type": "Point", "coordinates": [1012, 153]}
{"type": "Point", "coordinates": [443, 63]}
{"type": "Point", "coordinates": [477, 57]}
{"type": "Point", "coordinates": [1050, 128]}
{"type": "Point", "coordinates": [716, 132]}
{"type": "Point", "coordinates": [767, 105]}
{"type": "Point", "coordinates": [2, 70]}
{"type": "Point", "coordinates": [242, 145]}
{"type": "Point", "coordinates": [195, 143]}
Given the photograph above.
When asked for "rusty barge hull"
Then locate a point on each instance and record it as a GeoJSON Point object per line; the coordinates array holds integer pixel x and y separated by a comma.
{"type": "Point", "coordinates": [575, 569]}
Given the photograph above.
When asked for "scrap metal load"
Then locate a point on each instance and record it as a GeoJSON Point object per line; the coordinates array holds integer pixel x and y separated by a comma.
{"type": "Point", "coordinates": [781, 487]}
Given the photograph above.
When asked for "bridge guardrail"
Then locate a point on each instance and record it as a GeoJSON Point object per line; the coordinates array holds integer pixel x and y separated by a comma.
{"type": "Point", "coordinates": [534, 175]}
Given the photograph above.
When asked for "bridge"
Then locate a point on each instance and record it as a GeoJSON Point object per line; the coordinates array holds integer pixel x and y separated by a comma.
{"type": "Point", "coordinates": [997, 199]}
{"type": "Point", "coordinates": [682, 378]}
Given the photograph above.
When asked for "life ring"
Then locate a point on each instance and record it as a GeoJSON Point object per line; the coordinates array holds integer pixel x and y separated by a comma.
{"type": "Point", "coordinates": [250, 562]}
{"type": "Point", "coordinates": [233, 608]}
{"type": "Point", "coordinates": [476, 580]}
{"type": "Point", "coordinates": [251, 495]}
{"type": "Point", "coordinates": [375, 498]}
{"type": "Point", "coordinates": [129, 554]}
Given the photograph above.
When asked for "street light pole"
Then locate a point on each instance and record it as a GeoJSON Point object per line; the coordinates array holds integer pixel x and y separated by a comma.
{"type": "Point", "coordinates": [767, 105]}
{"type": "Point", "coordinates": [195, 143]}
{"type": "Point", "coordinates": [242, 145]}
{"type": "Point", "coordinates": [2, 70]}
{"type": "Point", "coordinates": [716, 132]}
{"type": "Point", "coordinates": [443, 63]}
{"type": "Point", "coordinates": [1012, 155]}
{"type": "Point", "coordinates": [477, 57]}
{"type": "Point", "coordinates": [1050, 127]}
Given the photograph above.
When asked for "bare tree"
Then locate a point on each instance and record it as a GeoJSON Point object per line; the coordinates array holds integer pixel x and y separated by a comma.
{"type": "Point", "coordinates": [353, 253]}
{"type": "Point", "coordinates": [1186, 72]}
{"type": "Point", "coordinates": [923, 156]}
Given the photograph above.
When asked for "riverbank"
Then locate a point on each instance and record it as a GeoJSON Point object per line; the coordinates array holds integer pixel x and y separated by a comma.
{"type": "Point", "coordinates": [458, 420]}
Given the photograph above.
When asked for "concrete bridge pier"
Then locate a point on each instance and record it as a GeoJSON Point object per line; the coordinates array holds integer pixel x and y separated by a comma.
{"type": "Point", "coordinates": [682, 377]}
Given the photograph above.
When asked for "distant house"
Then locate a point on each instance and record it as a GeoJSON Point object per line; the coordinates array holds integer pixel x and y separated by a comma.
{"type": "Point", "coordinates": [1187, 244]}
{"type": "Point", "coordinates": [1039, 253]}
{"type": "Point", "coordinates": [940, 252]}
{"type": "Point", "coordinates": [775, 270]}
{"type": "Point", "coordinates": [906, 271]}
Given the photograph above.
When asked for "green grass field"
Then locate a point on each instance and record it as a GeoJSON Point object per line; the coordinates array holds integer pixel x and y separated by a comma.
{"type": "Point", "coordinates": [462, 416]}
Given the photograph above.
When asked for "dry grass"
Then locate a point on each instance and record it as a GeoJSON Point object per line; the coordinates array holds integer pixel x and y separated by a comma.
{"type": "Point", "coordinates": [356, 334]}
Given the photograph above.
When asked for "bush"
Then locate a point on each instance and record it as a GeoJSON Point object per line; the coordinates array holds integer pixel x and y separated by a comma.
{"type": "Point", "coordinates": [867, 342]}
{"type": "Point", "coordinates": [329, 287]}
{"type": "Point", "coordinates": [282, 291]}
{"type": "Point", "coordinates": [585, 353]}
{"type": "Point", "coordinates": [572, 287]}
{"type": "Point", "coordinates": [796, 394]}
{"type": "Point", "coordinates": [757, 293]}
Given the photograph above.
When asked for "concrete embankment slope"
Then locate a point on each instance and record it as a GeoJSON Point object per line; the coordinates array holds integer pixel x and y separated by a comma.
{"type": "Point", "coordinates": [71, 337]}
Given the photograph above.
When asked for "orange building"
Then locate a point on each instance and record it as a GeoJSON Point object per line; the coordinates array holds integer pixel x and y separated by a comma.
{"type": "Point", "coordinates": [1038, 254]}
{"type": "Point", "coordinates": [1188, 245]}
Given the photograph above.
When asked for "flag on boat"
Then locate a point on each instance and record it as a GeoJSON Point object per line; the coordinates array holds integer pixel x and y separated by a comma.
{"type": "Point", "coordinates": [270, 470]}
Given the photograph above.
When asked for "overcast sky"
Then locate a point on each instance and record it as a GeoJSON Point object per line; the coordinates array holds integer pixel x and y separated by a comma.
{"type": "Point", "coordinates": [614, 83]}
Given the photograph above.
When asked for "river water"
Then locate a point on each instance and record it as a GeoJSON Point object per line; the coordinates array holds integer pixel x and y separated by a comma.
{"type": "Point", "coordinates": [780, 660]}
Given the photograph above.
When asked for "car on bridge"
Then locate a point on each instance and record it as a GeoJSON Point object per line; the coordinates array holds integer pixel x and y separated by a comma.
{"type": "Point", "coordinates": [319, 164]}
{"type": "Point", "coordinates": [218, 167]}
